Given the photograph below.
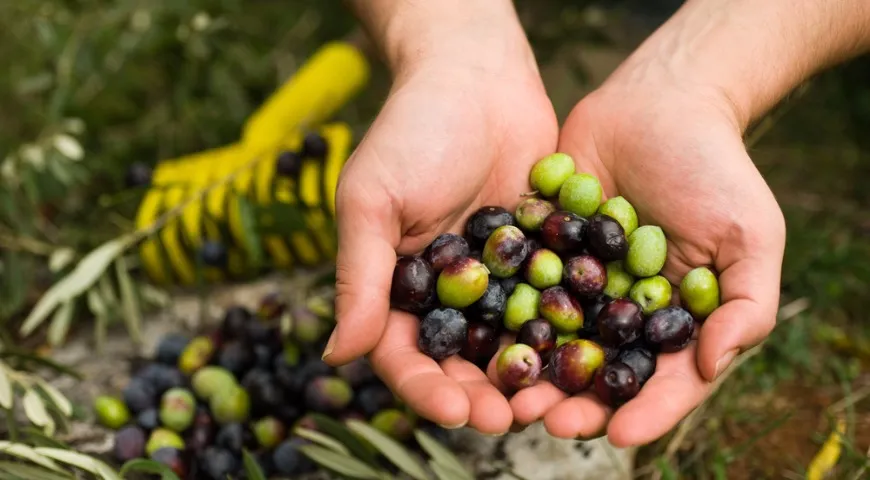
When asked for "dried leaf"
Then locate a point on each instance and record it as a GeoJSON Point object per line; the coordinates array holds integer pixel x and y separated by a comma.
{"type": "Point", "coordinates": [442, 455]}
{"type": "Point", "coordinates": [23, 451]}
{"type": "Point", "coordinates": [343, 464]}
{"type": "Point", "coordinates": [68, 146]}
{"type": "Point", "coordinates": [321, 439]}
{"type": "Point", "coordinates": [129, 301]}
{"type": "Point", "coordinates": [5, 388]}
{"type": "Point", "coordinates": [393, 450]}
{"type": "Point", "coordinates": [88, 271]}
{"type": "Point", "coordinates": [60, 323]}
{"type": "Point", "coordinates": [828, 455]}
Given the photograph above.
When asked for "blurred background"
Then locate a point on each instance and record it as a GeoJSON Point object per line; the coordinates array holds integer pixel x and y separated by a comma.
{"type": "Point", "coordinates": [92, 86]}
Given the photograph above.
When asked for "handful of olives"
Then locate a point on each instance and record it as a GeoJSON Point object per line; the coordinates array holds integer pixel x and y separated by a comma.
{"type": "Point", "coordinates": [573, 279]}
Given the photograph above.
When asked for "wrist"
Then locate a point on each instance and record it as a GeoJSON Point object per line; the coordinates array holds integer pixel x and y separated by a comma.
{"type": "Point", "coordinates": [744, 54]}
{"type": "Point", "coordinates": [477, 35]}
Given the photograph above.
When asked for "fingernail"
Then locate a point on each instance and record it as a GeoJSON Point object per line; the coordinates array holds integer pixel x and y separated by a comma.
{"type": "Point", "coordinates": [723, 362]}
{"type": "Point", "coordinates": [495, 434]}
{"type": "Point", "coordinates": [330, 344]}
{"type": "Point", "coordinates": [453, 427]}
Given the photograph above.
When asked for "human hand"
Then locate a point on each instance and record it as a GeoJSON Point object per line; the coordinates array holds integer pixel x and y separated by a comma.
{"type": "Point", "coordinates": [674, 150]}
{"type": "Point", "coordinates": [457, 133]}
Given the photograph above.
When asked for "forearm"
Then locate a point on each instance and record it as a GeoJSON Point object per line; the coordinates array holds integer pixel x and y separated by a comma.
{"type": "Point", "coordinates": [472, 33]}
{"type": "Point", "coordinates": [753, 51]}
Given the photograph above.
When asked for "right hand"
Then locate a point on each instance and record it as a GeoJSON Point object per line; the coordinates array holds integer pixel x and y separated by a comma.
{"type": "Point", "coordinates": [454, 135]}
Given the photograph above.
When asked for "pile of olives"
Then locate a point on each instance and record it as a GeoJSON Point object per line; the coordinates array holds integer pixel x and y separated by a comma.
{"type": "Point", "coordinates": [203, 399]}
{"type": "Point", "coordinates": [574, 283]}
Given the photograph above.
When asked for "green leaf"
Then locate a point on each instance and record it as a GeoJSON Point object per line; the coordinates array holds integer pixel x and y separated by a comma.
{"type": "Point", "coordinates": [88, 271]}
{"type": "Point", "coordinates": [280, 219]}
{"type": "Point", "coordinates": [107, 291]}
{"type": "Point", "coordinates": [443, 472]}
{"type": "Point", "coordinates": [321, 439]}
{"type": "Point", "coordinates": [339, 463]}
{"type": "Point", "coordinates": [23, 451]}
{"type": "Point", "coordinates": [76, 459]}
{"type": "Point", "coordinates": [5, 388]}
{"type": "Point", "coordinates": [60, 323]}
{"type": "Point", "coordinates": [250, 226]}
{"type": "Point", "coordinates": [59, 400]}
{"type": "Point", "coordinates": [35, 409]}
{"type": "Point", "coordinates": [43, 361]}
{"type": "Point", "coordinates": [68, 146]}
{"type": "Point", "coordinates": [129, 301]}
{"type": "Point", "coordinates": [38, 438]}
{"type": "Point", "coordinates": [393, 450]}
{"type": "Point", "coordinates": [442, 455]}
{"type": "Point", "coordinates": [145, 465]}
{"type": "Point", "coordinates": [252, 469]}
{"type": "Point", "coordinates": [337, 430]}
{"type": "Point", "coordinates": [105, 471]}
{"type": "Point", "coordinates": [30, 472]}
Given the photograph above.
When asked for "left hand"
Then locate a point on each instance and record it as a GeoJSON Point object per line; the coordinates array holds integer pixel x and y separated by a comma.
{"type": "Point", "coordinates": [676, 153]}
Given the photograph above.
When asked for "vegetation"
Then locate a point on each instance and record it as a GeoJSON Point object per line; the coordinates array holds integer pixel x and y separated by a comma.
{"type": "Point", "coordinates": [92, 86]}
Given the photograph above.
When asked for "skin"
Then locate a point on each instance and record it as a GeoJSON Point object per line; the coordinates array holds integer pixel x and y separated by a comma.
{"type": "Point", "coordinates": [672, 115]}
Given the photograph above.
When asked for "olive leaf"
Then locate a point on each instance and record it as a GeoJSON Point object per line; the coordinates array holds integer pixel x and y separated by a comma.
{"type": "Point", "coordinates": [393, 450]}
{"type": "Point", "coordinates": [5, 388]}
{"type": "Point", "coordinates": [23, 451]}
{"type": "Point", "coordinates": [342, 464]}
{"type": "Point", "coordinates": [252, 469]}
{"type": "Point", "coordinates": [129, 301]}
{"type": "Point", "coordinates": [321, 439]}
{"type": "Point", "coordinates": [59, 400]}
{"type": "Point", "coordinates": [148, 466]}
{"type": "Point", "coordinates": [60, 323]}
{"type": "Point", "coordinates": [88, 271]}
{"type": "Point", "coordinates": [442, 456]}
{"type": "Point", "coordinates": [357, 446]}
{"type": "Point", "coordinates": [35, 410]}
{"type": "Point", "coordinates": [79, 460]}
{"type": "Point", "coordinates": [30, 472]}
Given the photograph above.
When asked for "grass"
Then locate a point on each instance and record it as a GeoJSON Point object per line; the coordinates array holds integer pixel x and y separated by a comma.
{"type": "Point", "coordinates": [143, 81]}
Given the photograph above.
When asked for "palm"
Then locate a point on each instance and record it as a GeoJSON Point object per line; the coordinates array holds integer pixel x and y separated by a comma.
{"type": "Point", "coordinates": [443, 146]}
{"type": "Point", "coordinates": [683, 166]}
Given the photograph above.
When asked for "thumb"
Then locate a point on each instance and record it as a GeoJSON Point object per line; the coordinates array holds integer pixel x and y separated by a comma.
{"type": "Point", "coordinates": [367, 235]}
{"type": "Point", "coordinates": [750, 295]}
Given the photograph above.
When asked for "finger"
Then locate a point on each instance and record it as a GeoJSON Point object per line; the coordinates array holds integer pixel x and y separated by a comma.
{"type": "Point", "coordinates": [531, 404]}
{"type": "Point", "coordinates": [416, 378]}
{"type": "Point", "coordinates": [672, 393]}
{"type": "Point", "coordinates": [750, 294]}
{"type": "Point", "coordinates": [506, 340]}
{"type": "Point", "coordinates": [490, 412]}
{"type": "Point", "coordinates": [364, 267]}
{"type": "Point", "coordinates": [580, 416]}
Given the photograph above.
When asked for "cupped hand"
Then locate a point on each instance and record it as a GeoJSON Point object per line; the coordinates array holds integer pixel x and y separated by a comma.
{"type": "Point", "coordinates": [448, 140]}
{"type": "Point", "coordinates": [676, 153]}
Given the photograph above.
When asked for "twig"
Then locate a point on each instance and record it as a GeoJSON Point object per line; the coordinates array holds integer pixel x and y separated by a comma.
{"type": "Point", "coordinates": [850, 400]}
{"type": "Point", "coordinates": [860, 473]}
{"type": "Point", "coordinates": [26, 244]}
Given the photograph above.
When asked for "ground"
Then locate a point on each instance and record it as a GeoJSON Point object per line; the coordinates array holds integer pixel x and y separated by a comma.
{"type": "Point", "coordinates": [152, 80]}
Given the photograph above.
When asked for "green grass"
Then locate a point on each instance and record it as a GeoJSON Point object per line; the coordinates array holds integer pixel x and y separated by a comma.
{"type": "Point", "coordinates": [144, 81]}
